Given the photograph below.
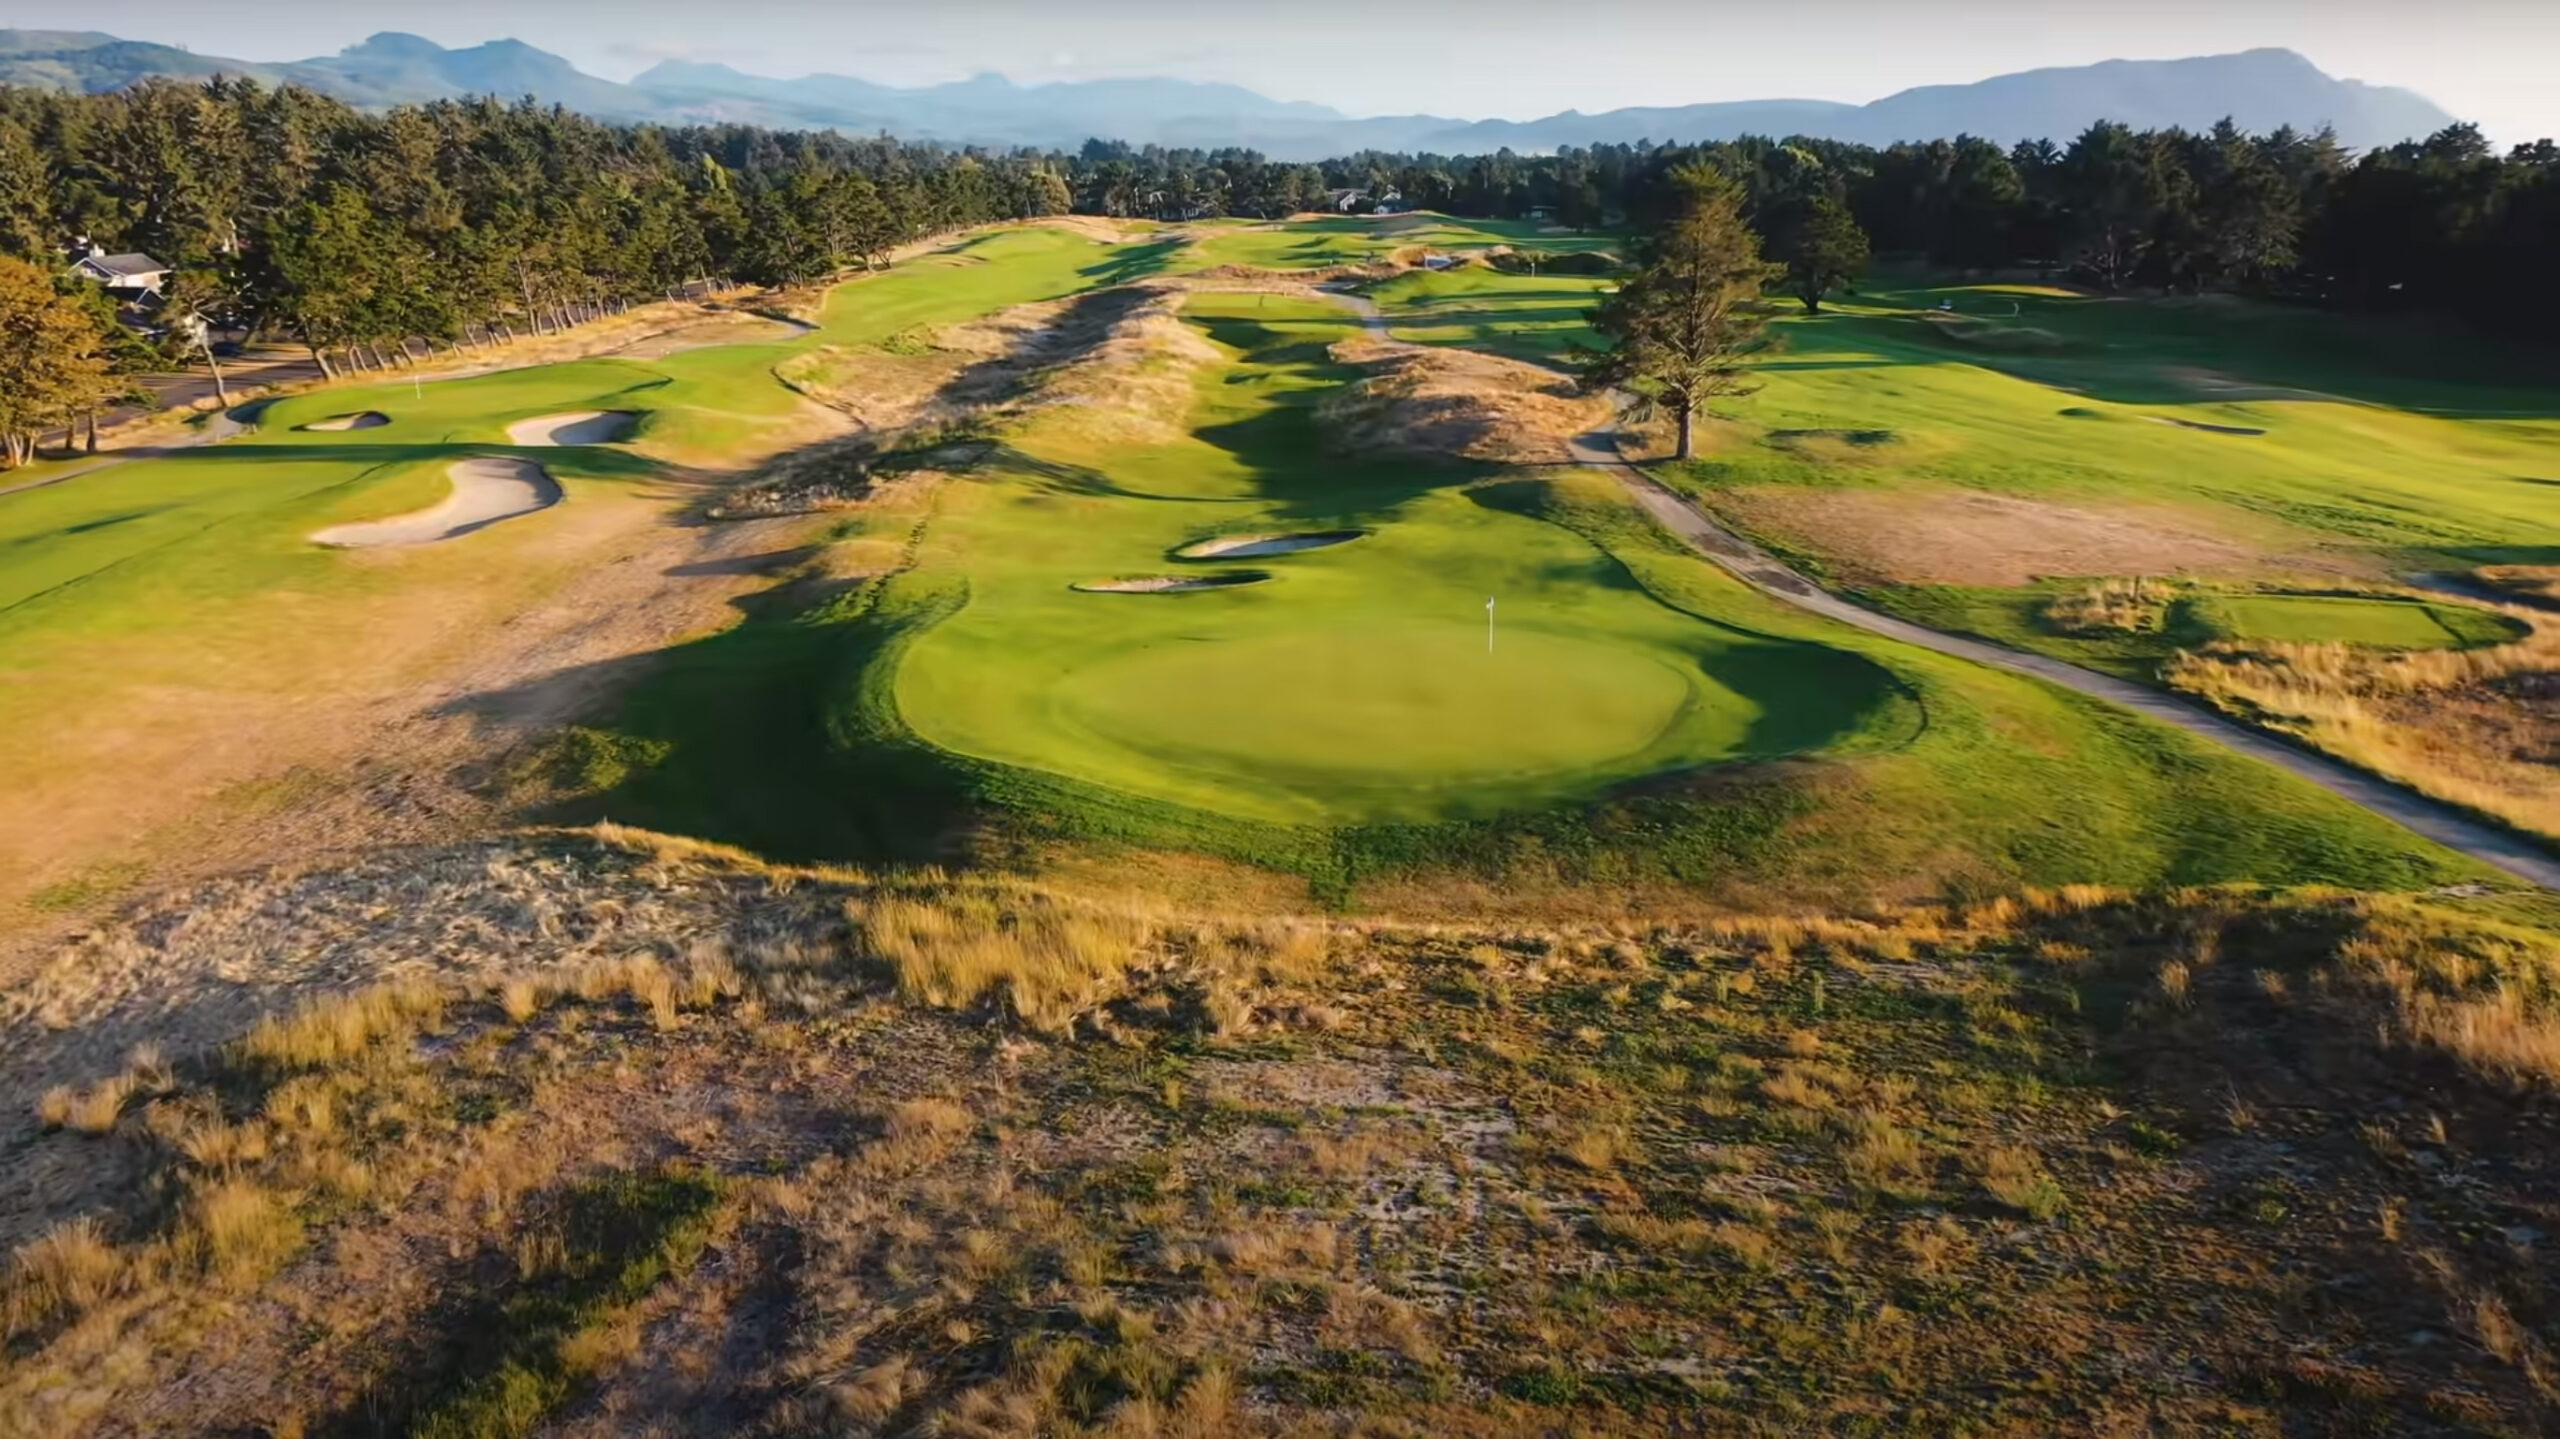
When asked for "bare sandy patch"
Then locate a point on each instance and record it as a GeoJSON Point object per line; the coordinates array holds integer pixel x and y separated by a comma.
{"type": "Point", "coordinates": [578, 427]}
{"type": "Point", "coordinates": [1172, 584]}
{"type": "Point", "coordinates": [1422, 400]}
{"type": "Point", "coordinates": [361, 420]}
{"type": "Point", "coordinates": [485, 491]}
{"type": "Point", "coordinates": [1967, 537]}
{"type": "Point", "coordinates": [1249, 547]}
{"type": "Point", "coordinates": [1121, 356]}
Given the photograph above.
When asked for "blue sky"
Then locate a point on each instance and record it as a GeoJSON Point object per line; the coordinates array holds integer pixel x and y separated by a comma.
{"type": "Point", "coordinates": [2486, 60]}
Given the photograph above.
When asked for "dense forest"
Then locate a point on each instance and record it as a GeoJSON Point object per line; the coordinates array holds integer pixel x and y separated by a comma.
{"type": "Point", "coordinates": [298, 217]}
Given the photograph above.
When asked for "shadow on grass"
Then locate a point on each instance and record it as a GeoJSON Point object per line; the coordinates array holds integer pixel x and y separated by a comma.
{"type": "Point", "coordinates": [2217, 350]}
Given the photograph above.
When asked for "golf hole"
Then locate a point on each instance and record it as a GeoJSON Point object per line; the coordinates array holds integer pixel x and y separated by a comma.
{"type": "Point", "coordinates": [1254, 547]}
{"type": "Point", "coordinates": [1172, 584]}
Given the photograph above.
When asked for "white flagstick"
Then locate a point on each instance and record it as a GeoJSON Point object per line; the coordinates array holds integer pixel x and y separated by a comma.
{"type": "Point", "coordinates": [1488, 624]}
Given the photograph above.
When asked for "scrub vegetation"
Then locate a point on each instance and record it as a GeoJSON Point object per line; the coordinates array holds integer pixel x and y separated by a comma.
{"type": "Point", "coordinates": [715, 1147]}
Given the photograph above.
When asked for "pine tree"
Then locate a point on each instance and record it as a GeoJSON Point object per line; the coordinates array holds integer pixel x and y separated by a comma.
{"type": "Point", "coordinates": [1825, 249]}
{"type": "Point", "coordinates": [1681, 330]}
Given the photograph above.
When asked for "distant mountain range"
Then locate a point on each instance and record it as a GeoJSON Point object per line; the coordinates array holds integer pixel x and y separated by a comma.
{"type": "Point", "coordinates": [2260, 89]}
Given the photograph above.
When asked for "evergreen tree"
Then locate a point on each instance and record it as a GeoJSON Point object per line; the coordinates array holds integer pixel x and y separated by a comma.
{"type": "Point", "coordinates": [1681, 329]}
{"type": "Point", "coordinates": [1822, 249]}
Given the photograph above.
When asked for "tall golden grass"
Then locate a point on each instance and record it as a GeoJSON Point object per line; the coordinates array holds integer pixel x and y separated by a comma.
{"type": "Point", "coordinates": [2431, 719]}
{"type": "Point", "coordinates": [2123, 606]}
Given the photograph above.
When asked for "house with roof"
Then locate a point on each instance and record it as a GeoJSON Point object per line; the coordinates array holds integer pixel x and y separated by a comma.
{"type": "Point", "coordinates": [132, 276]}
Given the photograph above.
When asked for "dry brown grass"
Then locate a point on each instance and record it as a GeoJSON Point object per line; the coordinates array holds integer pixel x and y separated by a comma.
{"type": "Point", "coordinates": [2531, 583]}
{"type": "Point", "coordinates": [1048, 960]}
{"type": "Point", "coordinates": [2478, 727]}
{"type": "Point", "coordinates": [1968, 537]}
{"type": "Point", "coordinates": [1445, 403]}
{"type": "Point", "coordinates": [1100, 1220]}
{"type": "Point", "coordinates": [2134, 606]}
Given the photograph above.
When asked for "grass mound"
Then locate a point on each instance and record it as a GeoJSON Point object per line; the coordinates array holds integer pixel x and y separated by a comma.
{"type": "Point", "coordinates": [1172, 584]}
{"type": "Point", "coordinates": [1243, 547]}
{"type": "Point", "coordinates": [1444, 403]}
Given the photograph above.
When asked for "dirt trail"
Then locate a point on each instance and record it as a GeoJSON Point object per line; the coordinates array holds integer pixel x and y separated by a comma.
{"type": "Point", "coordinates": [1755, 567]}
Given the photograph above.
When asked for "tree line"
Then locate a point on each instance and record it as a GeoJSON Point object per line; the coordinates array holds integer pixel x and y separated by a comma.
{"type": "Point", "coordinates": [362, 236]}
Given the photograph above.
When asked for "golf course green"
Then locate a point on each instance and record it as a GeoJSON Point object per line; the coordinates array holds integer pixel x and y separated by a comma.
{"type": "Point", "coordinates": [1363, 682]}
{"type": "Point", "coordinates": [2356, 620]}
{"type": "Point", "coordinates": [1629, 712]}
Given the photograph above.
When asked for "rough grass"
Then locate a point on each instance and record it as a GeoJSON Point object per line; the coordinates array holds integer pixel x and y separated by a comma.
{"type": "Point", "coordinates": [2132, 606]}
{"type": "Point", "coordinates": [1450, 404]}
{"type": "Point", "coordinates": [2474, 726]}
{"type": "Point", "coordinates": [1972, 1162]}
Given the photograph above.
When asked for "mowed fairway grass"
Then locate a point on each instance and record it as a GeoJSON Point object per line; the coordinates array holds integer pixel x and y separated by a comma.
{"type": "Point", "coordinates": [2416, 449]}
{"type": "Point", "coordinates": [1640, 716]}
{"type": "Point", "coordinates": [157, 617]}
{"type": "Point", "coordinates": [1475, 307]}
{"type": "Point", "coordinates": [1357, 684]}
{"type": "Point", "coordinates": [1359, 239]}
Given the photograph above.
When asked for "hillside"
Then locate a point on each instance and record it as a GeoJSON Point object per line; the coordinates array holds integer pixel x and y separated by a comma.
{"type": "Point", "coordinates": [631, 1137]}
{"type": "Point", "coordinates": [2261, 89]}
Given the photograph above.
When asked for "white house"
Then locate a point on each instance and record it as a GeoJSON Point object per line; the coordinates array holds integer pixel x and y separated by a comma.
{"type": "Point", "coordinates": [133, 275]}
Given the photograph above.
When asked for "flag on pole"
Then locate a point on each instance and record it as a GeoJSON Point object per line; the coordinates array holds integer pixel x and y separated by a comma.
{"type": "Point", "coordinates": [1488, 624]}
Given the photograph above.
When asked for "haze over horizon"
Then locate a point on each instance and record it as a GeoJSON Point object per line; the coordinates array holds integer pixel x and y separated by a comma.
{"type": "Point", "coordinates": [2485, 60]}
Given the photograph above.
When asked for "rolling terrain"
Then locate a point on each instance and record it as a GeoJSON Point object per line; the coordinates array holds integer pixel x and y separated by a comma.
{"type": "Point", "coordinates": [979, 863]}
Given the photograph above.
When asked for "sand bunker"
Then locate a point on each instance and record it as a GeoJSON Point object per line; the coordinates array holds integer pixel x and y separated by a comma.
{"type": "Point", "coordinates": [1254, 547]}
{"type": "Point", "coordinates": [1458, 404]}
{"type": "Point", "coordinates": [578, 427]}
{"type": "Point", "coordinates": [485, 491]}
{"type": "Point", "coordinates": [1172, 584]}
{"type": "Point", "coordinates": [2208, 429]}
{"type": "Point", "coordinates": [1966, 537]}
{"type": "Point", "coordinates": [361, 420]}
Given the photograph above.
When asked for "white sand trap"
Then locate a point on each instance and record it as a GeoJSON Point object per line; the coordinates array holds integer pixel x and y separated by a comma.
{"type": "Point", "coordinates": [361, 420]}
{"type": "Point", "coordinates": [1254, 547]}
{"type": "Point", "coordinates": [2208, 429]}
{"type": "Point", "coordinates": [485, 491]}
{"type": "Point", "coordinates": [578, 427]}
{"type": "Point", "coordinates": [1172, 584]}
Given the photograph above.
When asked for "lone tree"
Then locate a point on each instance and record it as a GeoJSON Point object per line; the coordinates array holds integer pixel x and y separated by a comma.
{"type": "Point", "coordinates": [1824, 250]}
{"type": "Point", "coordinates": [1680, 330]}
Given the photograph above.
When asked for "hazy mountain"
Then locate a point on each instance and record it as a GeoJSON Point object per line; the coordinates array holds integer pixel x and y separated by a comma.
{"type": "Point", "coordinates": [2260, 89]}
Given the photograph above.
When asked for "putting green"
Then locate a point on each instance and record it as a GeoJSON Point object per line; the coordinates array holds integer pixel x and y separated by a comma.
{"type": "Point", "coordinates": [2355, 620]}
{"type": "Point", "coordinates": [1370, 706]}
